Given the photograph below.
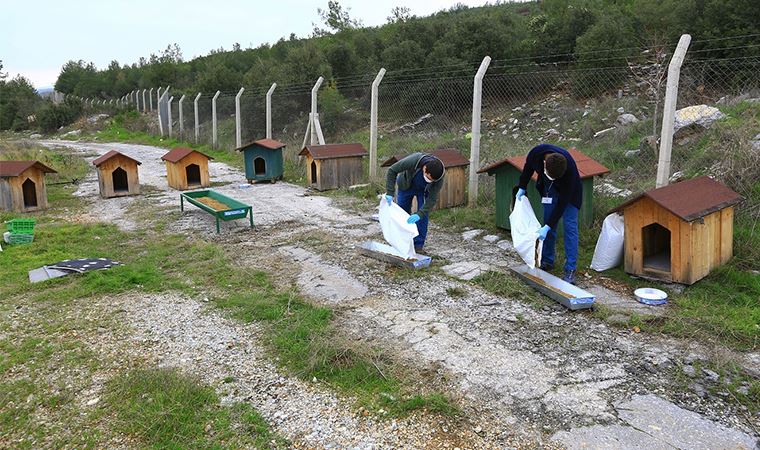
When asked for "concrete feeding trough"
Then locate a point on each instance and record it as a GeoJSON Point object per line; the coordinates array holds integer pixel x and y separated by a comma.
{"type": "Point", "coordinates": [570, 296]}
{"type": "Point", "coordinates": [386, 253]}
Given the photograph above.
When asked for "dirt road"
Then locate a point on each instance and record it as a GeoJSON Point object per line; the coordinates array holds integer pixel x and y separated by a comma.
{"type": "Point", "coordinates": [526, 375]}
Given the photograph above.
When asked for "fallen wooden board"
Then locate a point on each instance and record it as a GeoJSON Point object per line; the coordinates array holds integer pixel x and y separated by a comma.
{"type": "Point", "coordinates": [384, 253]}
{"type": "Point", "coordinates": [570, 296]}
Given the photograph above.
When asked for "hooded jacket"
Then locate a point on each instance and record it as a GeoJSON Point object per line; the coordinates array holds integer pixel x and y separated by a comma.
{"type": "Point", "coordinates": [404, 171]}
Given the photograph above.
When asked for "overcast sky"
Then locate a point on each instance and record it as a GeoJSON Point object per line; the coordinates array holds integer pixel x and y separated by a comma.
{"type": "Point", "coordinates": [38, 37]}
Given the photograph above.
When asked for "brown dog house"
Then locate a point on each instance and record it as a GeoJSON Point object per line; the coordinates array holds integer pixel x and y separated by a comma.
{"type": "Point", "coordinates": [679, 233]}
{"type": "Point", "coordinates": [334, 166]}
{"type": "Point", "coordinates": [186, 169]}
{"type": "Point", "coordinates": [117, 175]}
{"type": "Point", "coordinates": [453, 190]}
{"type": "Point", "coordinates": [22, 185]}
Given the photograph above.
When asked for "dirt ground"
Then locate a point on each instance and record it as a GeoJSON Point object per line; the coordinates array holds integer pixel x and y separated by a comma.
{"type": "Point", "coordinates": [527, 374]}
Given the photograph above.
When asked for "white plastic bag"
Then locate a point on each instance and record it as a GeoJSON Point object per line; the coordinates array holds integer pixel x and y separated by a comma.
{"type": "Point", "coordinates": [609, 248]}
{"type": "Point", "coordinates": [399, 234]}
{"type": "Point", "coordinates": [524, 227]}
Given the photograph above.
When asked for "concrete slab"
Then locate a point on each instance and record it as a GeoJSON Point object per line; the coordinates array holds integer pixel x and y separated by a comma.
{"type": "Point", "coordinates": [611, 437]}
{"type": "Point", "coordinates": [470, 235]}
{"type": "Point", "coordinates": [626, 304]}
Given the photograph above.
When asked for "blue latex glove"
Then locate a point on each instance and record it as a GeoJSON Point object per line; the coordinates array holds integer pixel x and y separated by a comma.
{"type": "Point", "coordinates": [389, 199]}
{"type": "Point", "coordinates": [414, 218]}
{"type": "Point", "coordinates": [520, 194]}
{"type": "Point", "coordinates": [543, 231]}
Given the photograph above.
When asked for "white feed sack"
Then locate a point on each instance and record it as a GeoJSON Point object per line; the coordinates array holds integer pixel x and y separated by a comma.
{"type": "Point", "coordinates": [399, 234]}
{"type": "Point", "coordinates": [524, 226]}
{"type": "Point", "coordinates": [608, 253]}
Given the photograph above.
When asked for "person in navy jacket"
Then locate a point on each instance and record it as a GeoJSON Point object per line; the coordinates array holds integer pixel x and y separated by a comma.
{"type": "Point", "coordinates": [559, 184]}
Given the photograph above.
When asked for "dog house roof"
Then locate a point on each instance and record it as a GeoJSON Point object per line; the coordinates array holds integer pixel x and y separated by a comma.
{"type": "Point", "coordinates": [587, 166]}
{"type": "Point", "coordinates": [332, 151]}
{"type": "Point", "coordinates": [97, 162]}
{"type": "Point", "coordinates": [16, 168]}
{"type": "Point", "coordinates": [179, 153]}
{"type": "Point", "coordinates": [450, 157]}
{"type": "Point", "coordinates": [271, 144]}
{"type": "Point", "coordinates": [690, 199]}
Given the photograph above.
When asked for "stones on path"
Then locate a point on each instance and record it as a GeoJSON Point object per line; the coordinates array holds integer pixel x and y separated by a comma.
{"type": "Point", "coordinates": [491, 238]}
{"type": "Point", "coordinates": [504, 244]}
{"type": "Point", "coordinates": [466, 270]}
{"type": "Point", "coordinates": [471, 234]}
{"type": "Point", "coordinates": [652, 422]}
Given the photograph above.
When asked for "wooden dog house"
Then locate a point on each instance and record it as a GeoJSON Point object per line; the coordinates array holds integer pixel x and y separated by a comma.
{"type": "Point", "coordinates": [453, 190]}
{"type": "Point", "coordinates": [22, 185]}
{"type": "Point", "coordinates": [263, 160]}
{"type": "Point", "coordinates": [508, 171]}
{"type": "Point", "coordinates": [186, 169]}
{"type": "Point", "coordinates": [333, 166]}
{"type": "Point", "coordinates": [679, 233]}
{"type": "Point", "coordinates": [117, 175]}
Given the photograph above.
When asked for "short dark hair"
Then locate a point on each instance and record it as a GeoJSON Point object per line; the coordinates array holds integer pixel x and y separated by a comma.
{"type": "Point", "coordinates": [556, 165]}
{"type": "Point", "coordinates": [435, 168]}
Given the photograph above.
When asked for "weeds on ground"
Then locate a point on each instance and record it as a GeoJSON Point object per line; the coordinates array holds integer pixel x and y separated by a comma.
{"type": "Point", "coordinates": [166, 409]}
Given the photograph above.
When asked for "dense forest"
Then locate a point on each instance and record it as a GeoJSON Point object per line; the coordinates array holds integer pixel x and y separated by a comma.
{"type": "Point", "coordinates": [587, 33]}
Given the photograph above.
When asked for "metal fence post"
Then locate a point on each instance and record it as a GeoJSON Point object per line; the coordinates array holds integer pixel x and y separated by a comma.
{"type": "Point", "coordinates": [213, 119]}
{"type": "Point", "coordinates": [269, 110]}
{"type": "Point", "coordinates": [150, 98]}
{"type": "Point", "coordinates": [477, 96]}
{"type": "Point", "coordinates": [197, 125]}
{"type": "Point", "coordinates": [169, 114]}
{"type": "Point", "coordinates": [238, 131]}
{"type": "Point", "coordinates": [373, 125]}
{"type": "Point", "coordinates": [669, 110]}
{"type": "Point", "coordinates": [181, 122]}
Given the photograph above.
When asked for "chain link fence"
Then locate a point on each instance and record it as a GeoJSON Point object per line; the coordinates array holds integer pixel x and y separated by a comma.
{"type": "Point", "coordinates": [611, 111]}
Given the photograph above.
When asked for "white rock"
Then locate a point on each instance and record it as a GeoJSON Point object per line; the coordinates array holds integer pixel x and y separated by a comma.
{"type": "Point", "coordinates": [621, 110]}
{"type": "Point", "coordinates": [35, 136]}
{"type": "Point", "coordinates": [470, 235]}
{"type": "Point", "coordinates": [698, 115]}
{"type": "Point", "coordinates": [611, 191]}
{"type": "Point", "coordinates": [626, 119]}
{"type": "Point", "coordinates": [491, 238]}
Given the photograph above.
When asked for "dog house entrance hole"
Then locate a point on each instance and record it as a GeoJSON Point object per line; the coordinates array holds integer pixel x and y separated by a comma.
{"type": "Point", "coordinates": [259, 166]}
{"type": "Point", "coordinates": [193, 172]}
{"type": "Point", "coordinates": [30, 193]}
{"type": "Point", "coordinates": [313, 172]}
{"type": "Point", "coordinates": [120, 183]}
{"type": "Point", "coordinates": [656, 242]}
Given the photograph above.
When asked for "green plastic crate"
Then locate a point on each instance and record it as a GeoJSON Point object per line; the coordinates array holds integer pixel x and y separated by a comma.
{"type": "Point", "coordinates": [20, 226]}
{"type": "Point", "coordinates": [21, 238]}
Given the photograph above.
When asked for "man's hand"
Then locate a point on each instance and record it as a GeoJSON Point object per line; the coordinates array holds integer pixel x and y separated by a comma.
{"type": "Point", "coordinates": [543, 231]}
{"type": "Point", "coordinates": [389, 199]}
{"type": "Point", "coordinates": [414, 218]}
{"type": "Point", "coordinates": [520, 194]}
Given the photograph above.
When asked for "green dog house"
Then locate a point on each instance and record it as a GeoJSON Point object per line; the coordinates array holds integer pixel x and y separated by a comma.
{"type": "Point", "coordinates": [263, 160]}
{"type": "Point", "coordinates": [508, 170]}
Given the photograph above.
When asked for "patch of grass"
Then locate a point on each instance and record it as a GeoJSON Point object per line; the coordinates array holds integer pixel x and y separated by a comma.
{"type": "Point", "coordinates": [481, 217]}
{"type": "Point", "coordinates": [166, 409]}
{"type": "Point", "coordinates": [456, 292]}
{"type": "Point", "coordinates": [509, 286]}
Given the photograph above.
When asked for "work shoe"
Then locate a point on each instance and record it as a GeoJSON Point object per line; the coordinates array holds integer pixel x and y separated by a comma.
{"type": "Point", "coordinates": [569, 276]}
{"type": "Point", "coordinates": [418, 250]}
{"type": "Point", "coordinates": [546, 267]}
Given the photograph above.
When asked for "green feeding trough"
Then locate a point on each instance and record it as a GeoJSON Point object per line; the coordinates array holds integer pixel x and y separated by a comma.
{"type": "Point", "coordinates": [218, 205]}
{"type": "Point", "coordinates": [508, 170]}
{"type": "Point", "coordinates": [263, 160]}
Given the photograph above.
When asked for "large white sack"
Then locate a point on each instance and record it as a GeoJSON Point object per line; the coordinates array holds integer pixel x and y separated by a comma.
{"type": "Point", "coordinates": [399, 234]}
{"type": "Point", "coordinates": [524, 227]}
{"type": "Point", "coordinates": [609, 248]}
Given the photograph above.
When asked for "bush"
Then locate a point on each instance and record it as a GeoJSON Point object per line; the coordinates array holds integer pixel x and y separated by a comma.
{"type": "Point", "coordinates": [51, 116]}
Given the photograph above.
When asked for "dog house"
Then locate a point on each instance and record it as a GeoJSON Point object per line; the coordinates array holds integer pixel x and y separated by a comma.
{"type": "Point", "coordinates": [679, 233]}
{"type": "Point", "coordinates": [117, 175]}
{"type": "Point", "coordinates": [508, 171]}
{"type": "Point", "coordinates": [263, 160]}
{"type": "Point", "coordinates": [22, 185]}
{"type": "Point", "coordinates": [186, 169]}
{"type": "Point", "coordinates": [333, 166]}
{"type": "Point", "coordinates": [453, 190]}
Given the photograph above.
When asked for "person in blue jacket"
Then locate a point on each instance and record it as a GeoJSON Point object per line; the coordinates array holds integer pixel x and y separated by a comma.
{"type": "Point", "coordinates": [559, 184]}
{"type": "Point", "coordinates": [418, 175]}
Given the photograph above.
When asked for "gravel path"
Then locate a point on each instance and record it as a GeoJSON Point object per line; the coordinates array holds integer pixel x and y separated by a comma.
{"type": "Point", "coordinates": [526, 375]}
